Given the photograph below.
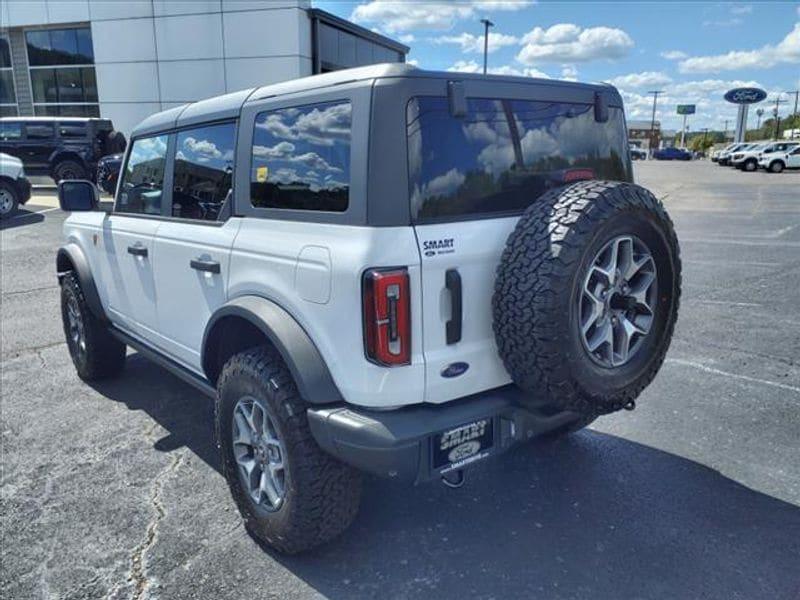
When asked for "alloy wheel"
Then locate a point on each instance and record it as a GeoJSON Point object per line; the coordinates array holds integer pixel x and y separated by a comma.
{"type": "Point", "coordinates": [618, 299]}
{"type": "Point", "coordinates": [77, 334]}
{"type": "Point", "coordinates": [260, 454]}
{"type": "Point", "coordinates": [6, 201]}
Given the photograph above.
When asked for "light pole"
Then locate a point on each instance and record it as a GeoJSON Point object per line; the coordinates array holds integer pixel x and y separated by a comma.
{"type": "Point", "coordinates": [653, 120]}
{"type": "Point", "coordinates": [486, 24]}
{"type": "Point", "coordinates": [759, 114]}
{"type": "Point", "coordinates": [725, 134]}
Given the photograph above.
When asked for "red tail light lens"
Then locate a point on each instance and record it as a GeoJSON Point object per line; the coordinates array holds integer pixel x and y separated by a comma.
{"type": "Point", "coordinates": [387, 316]}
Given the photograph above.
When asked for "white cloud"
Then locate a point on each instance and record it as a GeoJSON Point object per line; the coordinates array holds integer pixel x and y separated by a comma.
{"type": "Point", "coordinates": [470, 66]}
{"type": "Point", "coordinates": [444, 184]}
{"type": "Point", "coordinates": [569, 73]}
{"type": "Point", "coordinates": [204, 148]}
{"type": "Point", "coordinates": [396, 16]}
{"type": "Point", "coordinates": [474, 43]}
{"type": "Point", "coordinates": [281, 150]}
{"type": "Point", "coordinates": [786, 51]}
{"type": "Point", "coordinates": [569, 43]}
{"type": "Point", "coordinates": [639, 80]}
{"type": "Point", "coordinates": [406, 38]}
{"type": "Point", "coordinates": [413, 62]}
{"type": "Point", "coordinates": [732, 22]}
{"type": "Point", "coordinates": [674, 55]}
{"type": "Point", "coordinates": [320, 127]}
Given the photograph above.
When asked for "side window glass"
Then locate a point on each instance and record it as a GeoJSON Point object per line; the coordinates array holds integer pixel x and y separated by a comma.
{"type": "Point", "coordinates": [203, 171]}
{"type": "Point", "coordinates": [72, 130]}
{"type": "Point", "coordinates": [10, 131]}
{"type": "Point", "coordinates": [143, 179]}
{"type": "Point", "coordinates": [39, 131]}
{"type": "Point", "coordinates": [301, 158]}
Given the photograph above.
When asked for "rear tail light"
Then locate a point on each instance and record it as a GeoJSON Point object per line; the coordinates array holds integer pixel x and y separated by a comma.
{"type": "Point", "coordinates": [387, 316]}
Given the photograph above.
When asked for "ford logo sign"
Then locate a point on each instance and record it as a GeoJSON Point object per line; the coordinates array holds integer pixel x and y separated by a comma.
{"type": "Point", "coordinates": [745, 95]}
{"type": "Point", "coordinates": [455, 369]}
{"type": "Point", "coordinates": [463, 451]}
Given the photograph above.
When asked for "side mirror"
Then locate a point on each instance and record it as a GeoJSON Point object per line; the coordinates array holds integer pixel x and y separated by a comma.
{"type": "Point", "coordinates": [76, 195]}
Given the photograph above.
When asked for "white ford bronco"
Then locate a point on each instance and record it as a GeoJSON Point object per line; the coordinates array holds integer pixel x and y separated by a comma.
{"type": "Point", "coordinates": [380, 270]}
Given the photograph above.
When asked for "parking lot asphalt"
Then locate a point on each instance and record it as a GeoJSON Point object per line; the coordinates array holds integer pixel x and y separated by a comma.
{"type": "Point", "coordinates": [114, 490]}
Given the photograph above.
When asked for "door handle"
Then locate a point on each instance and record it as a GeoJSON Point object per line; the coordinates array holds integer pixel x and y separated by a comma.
{"type": "Point", "coordinates": [452, 281]}
{"type": "Point", "coordinates": [209, 266]}
{"type": "Point", "coordinates": [137, 250]}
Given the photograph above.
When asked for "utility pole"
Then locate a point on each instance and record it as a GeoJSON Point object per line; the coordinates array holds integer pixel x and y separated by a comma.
{"type": "Point", "coordinates": [486, 24]}
{"type": "Point", "coordinates": [725, 134]}
{"type": "Point", "coordinates": [653, 120]}
{"type": "Point", "coordinates": [759, 114]}
{"type": "Point", "coordinates": [778, 102]}
{"type": "Point", "coordinates": [796, 96]}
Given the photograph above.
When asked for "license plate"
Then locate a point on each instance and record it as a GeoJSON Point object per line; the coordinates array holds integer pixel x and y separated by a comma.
{"type": "Point", "coordinates": [462, 445]}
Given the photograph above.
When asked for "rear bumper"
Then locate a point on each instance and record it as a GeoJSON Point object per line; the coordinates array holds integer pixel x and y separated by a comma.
{"type": "Point", "coordinates": [398, 443]}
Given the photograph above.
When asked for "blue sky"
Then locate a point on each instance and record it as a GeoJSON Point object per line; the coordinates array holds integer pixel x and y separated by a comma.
{"type": "Point", "coordinates": [694, 51]}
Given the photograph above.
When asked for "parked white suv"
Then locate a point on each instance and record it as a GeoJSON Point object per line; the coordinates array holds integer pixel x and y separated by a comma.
{"type": "Point", "coordinates": [382, 269]}
{"type": "Point", "coordinates": [778, 160]}
{"type": "Point", "coordinates": [15, 189]}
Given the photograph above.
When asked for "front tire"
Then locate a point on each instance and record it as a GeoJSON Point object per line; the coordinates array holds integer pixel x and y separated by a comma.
{"type": "Point", "coordinates": [95, 353]}
{"type": "Point", "coordinates": [9, 200]}
{"type": "Point", "coordinates": [750, 165]}
{"type": "Point", "coordinates": [291, 494]}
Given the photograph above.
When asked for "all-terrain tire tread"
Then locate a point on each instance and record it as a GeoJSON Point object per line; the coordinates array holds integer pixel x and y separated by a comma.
{"type": "Point", "coordinates": [330, 490]}
{"type": "Point", "coordinates": [535, 274]}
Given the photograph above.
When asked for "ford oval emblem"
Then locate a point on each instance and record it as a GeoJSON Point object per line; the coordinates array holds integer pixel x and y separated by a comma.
{"type": "Point", "coordinates": [745, 95]}
{"type": "Point", "coordinates": [454, 370]}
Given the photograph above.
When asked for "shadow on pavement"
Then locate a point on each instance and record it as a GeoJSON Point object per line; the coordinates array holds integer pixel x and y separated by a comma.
{"type": "Point", "coordinates": [19, 218]}
{"type": "Point", "coordinates": [589, 516]}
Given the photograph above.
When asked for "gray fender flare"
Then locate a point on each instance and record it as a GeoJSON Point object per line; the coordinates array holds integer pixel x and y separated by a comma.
{"type": "Point", "coordinates": [308, 368]}
{"type": "Point", "coordinates": [72, 254]}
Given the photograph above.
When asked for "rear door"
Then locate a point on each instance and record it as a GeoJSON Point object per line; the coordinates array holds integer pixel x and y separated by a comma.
{"type": "Point", "coordinates": [193, 247]}
{"type": "Point", "coordinates": [470, 179]}
{"type": "Point", "coordinates": [38, 144]}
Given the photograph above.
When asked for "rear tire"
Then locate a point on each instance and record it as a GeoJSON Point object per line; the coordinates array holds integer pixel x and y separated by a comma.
{"type": "Point", "coordinates": [9, 200]}
{"type": "Point", "coordinates": [776, 166]}
{"type": "Point", "coordinates": [318, 496]}
{"type": "Point", "coordinates": [69, 169]}
{"type": "Point", "coordinates": [547, 324]}
{"type": "Point", "coordinates": [95, 353]}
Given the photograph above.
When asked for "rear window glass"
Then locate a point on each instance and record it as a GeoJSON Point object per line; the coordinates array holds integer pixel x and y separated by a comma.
{"type": "Point", "coordinates": [504, 154]}
{"type": "Point", "coordinates": [301, 158]}
{"type": "Point", "coordinates": [72, 130]}
{"type": "Point", "coordinates": [10, 131]}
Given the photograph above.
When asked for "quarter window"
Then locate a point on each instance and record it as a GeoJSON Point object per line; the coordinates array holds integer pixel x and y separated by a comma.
{"type": "Point", "coordinates": [203, 171]}
{"type": "Point", "coordinates": [10, 131]}
{"type": "Point", "coordinates": [143, 179]}
{"type": "Point", "coordinates": [504, 154]}
{"type": "Point", "coordinates": [301, 158]}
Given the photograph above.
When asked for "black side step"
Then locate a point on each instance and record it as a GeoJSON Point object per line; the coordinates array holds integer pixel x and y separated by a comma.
{"type": "Point", "coordinates": [201, 383]}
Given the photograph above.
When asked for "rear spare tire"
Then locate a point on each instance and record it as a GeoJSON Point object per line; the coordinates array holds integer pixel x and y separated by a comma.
{"type": "Point", "coordinates": [586, 296]}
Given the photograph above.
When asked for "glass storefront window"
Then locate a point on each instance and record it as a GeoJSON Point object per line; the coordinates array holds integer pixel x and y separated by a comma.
{"type": "Point", "coordinates": [59, 47]}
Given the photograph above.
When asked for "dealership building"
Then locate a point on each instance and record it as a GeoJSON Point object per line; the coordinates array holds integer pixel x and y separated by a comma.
{"type": "Point", "coordinates": [125, 60]}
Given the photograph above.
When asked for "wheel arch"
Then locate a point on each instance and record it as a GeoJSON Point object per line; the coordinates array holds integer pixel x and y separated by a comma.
{"type": "Point", "coordinates": [246, 321]}
{"type": "Point", "coordinates": [70, 258]}
{"type": "Point", "coordinates": [61, 155]}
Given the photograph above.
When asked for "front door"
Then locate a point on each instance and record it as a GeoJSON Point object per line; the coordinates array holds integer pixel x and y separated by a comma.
{"type": "Point", "coordinates": [128, 272]}
{"type": "Point", "coordinates": [128, 238]}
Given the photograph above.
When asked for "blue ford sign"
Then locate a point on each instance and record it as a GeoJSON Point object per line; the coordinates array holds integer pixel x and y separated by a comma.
{"type": "Point", "coordinates": [745, 95]}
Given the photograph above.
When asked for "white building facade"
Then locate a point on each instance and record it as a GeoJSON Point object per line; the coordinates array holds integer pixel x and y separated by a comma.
{"type": "Point", "coordinates": [125, 60]}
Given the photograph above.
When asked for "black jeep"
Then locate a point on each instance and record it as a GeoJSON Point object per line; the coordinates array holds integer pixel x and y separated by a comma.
{"type": "Point", "coordinates": [61, 147]}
